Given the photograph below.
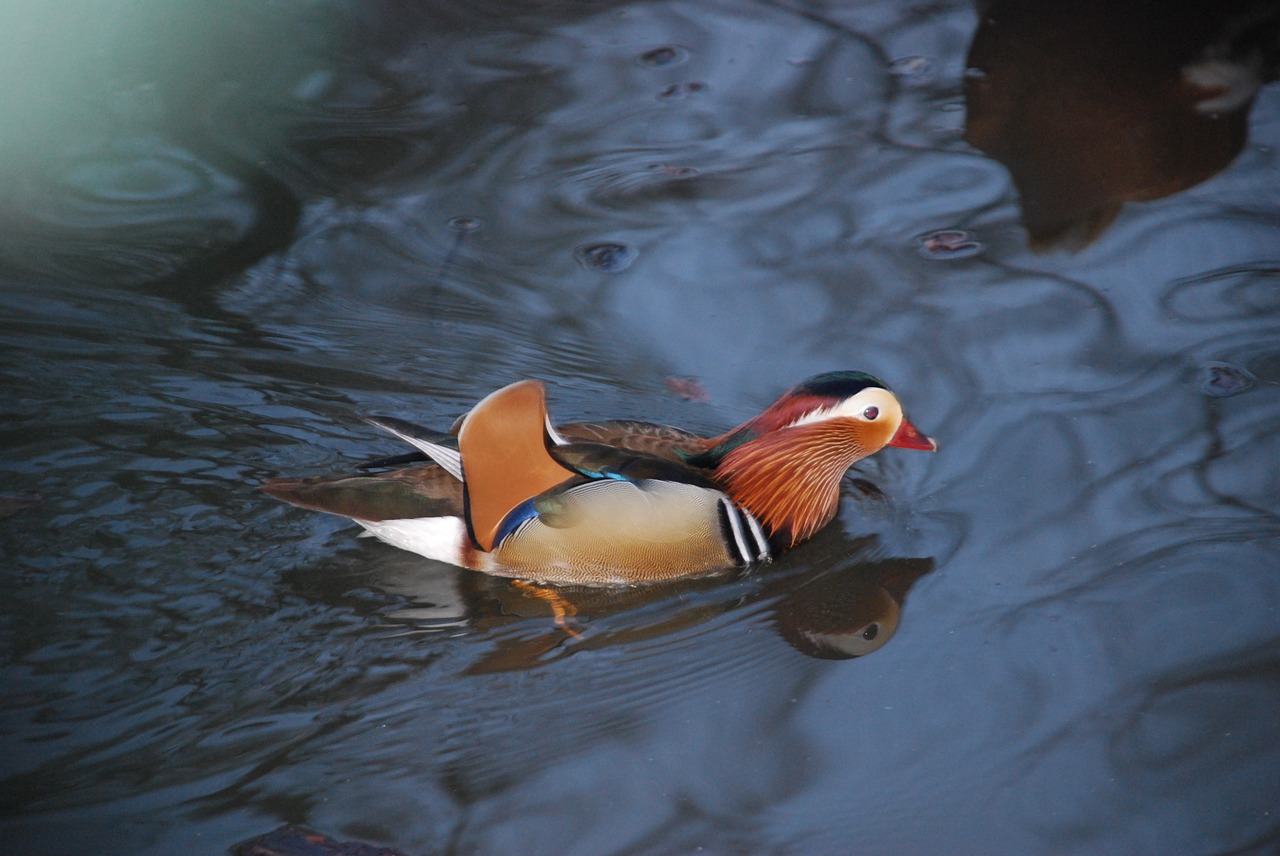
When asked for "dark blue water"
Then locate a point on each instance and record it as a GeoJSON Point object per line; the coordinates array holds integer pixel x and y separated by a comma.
{"type": "Point", "coordinates": [227, 234]}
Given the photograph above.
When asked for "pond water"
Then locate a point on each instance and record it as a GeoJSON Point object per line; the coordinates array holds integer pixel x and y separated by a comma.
{"type": "Point", "coordinates": [227, 235]}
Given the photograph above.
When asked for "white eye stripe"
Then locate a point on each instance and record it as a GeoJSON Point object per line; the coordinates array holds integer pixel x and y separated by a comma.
{"type": "Point", "coordinates": [881, 401]}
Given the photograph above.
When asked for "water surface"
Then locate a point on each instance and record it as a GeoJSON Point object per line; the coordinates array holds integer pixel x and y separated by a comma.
{"type": "Point", "coordinates": [227, 237]}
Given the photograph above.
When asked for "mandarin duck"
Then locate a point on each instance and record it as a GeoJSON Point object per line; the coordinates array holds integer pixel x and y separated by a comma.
{"type": "Point", "coordinates": [619, 502]}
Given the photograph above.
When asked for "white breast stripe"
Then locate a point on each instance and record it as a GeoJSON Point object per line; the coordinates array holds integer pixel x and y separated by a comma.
{"type": "Point", "coordinates": [762, 541]}
{"type": "Point", "coordinates": [735, 526]}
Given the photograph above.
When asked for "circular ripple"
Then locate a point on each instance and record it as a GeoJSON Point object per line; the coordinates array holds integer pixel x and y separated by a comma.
{"type": "Point", "coordinates": [911, 68]}
{"type": "Point", "coordinates": [948, 245]}
{"type": "Point", "coordinates": [1220, 380]}
{"type": "Point", "coordinates": [678, 91]}
{"type": "Point", "coordinates": [607, 257]}
{"type": "Point", "coordinates": [136, 213]}
{"type": "Point", "coordinates": [465, 225]}
{"type": "Point", "coordinates": [150, 179]}
{"type": "Point", "coordinates": [664, 57]}
{"type": "Point", "coordinates": [1248, 291]}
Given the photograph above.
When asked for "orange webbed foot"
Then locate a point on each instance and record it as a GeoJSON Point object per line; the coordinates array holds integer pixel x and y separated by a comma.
{"type": "Point", "coordinates": [561, 609]}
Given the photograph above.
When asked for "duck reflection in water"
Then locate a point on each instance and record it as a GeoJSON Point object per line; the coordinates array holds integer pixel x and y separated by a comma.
{"type": "Point", "coordinates": [1096, 103]}
{"type": "Point", "coordinates": [847, 612]}
{"type": "Point", "coordinates": [832, 609]}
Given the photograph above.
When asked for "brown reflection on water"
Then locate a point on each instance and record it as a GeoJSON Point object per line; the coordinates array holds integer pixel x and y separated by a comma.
{"type": "Point", "coordinates": [848, 612]}
{"type": "Point", "coordinates": [1094, 104]}
{"type": "Point", "coordinates": [832, 613]}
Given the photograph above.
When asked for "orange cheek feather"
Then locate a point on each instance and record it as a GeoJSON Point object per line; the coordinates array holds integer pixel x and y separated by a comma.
{"type": "Point", "coordinates": [790, 479]}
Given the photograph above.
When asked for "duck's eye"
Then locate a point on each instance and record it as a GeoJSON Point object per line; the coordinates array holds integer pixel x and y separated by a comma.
{"type": "Point", "coordinates": [872, 631]}
{"type": "Point", "coordinates": [871, 413]}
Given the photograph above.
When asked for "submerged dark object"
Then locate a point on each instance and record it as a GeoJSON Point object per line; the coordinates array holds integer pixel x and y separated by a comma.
{"type": "Point", "coordinates": [1096, 103]}
{"type": "Point", "coordinates": [293, 841]}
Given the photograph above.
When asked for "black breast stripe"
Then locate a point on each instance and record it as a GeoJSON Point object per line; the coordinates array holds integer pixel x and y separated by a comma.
{"type": "Point", "coordinates": [742, 534]}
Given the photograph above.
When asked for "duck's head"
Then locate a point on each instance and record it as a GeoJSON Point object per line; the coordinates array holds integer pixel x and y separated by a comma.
{"type": "Point", "coordinates": [875, 415]}
{"type": "Point", "coordinates": [866, 408]}
{"type": "Point", "coordinates": [785, 465]}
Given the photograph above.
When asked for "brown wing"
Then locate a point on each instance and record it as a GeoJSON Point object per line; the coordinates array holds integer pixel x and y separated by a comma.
{"type": "Point", "coordinates": [647, 437]}
{"type": "Point", "coordinates": [429, 491]}
{"type": "Point", "coordinates": [503, 442]}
